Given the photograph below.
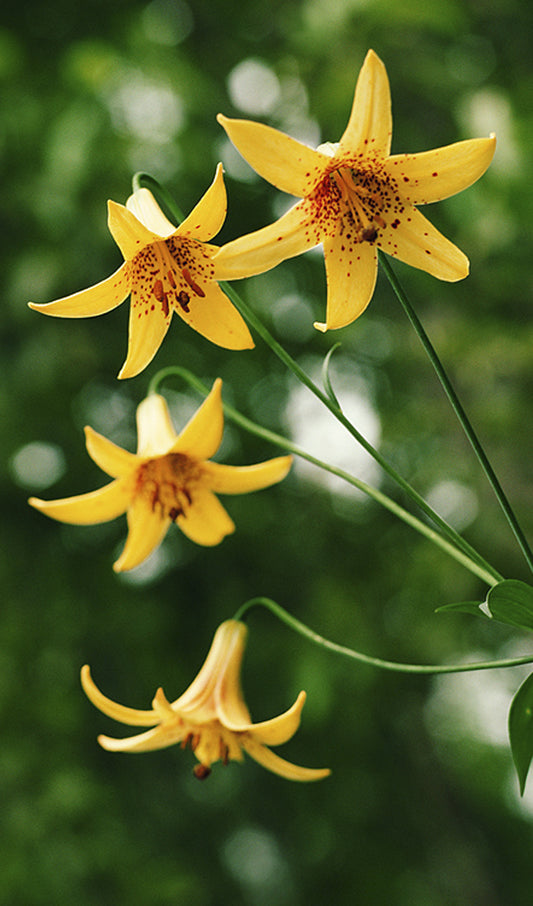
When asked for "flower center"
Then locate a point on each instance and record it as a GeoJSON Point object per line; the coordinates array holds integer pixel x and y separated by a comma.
{"type": "Point", "coordinates": [168, 483]}
{"type": "Point", "coordinates": [181, 266]}
{"type": "Point", "coordinates": [364, 202]}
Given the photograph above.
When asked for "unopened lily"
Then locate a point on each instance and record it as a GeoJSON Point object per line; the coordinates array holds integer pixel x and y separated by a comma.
{"type": "Point", "coordinates": [356, 199]}
{"type": "Point", "coordinates": [211, 717]}
{"type": "Point", "coordinates": [166, 270]}
{"type": "Point", "coordinates": [168, 480]}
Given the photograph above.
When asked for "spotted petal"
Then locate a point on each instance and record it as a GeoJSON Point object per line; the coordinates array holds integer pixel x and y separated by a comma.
{"type": "Point", "coordinates": [206, 219]}
{"type": "Point", "coordinates": [351, 270]}
{"type": "Point", "coordinates": [146, 530]}
{"type": "Point", "coordinates": [225, 479]}
{"type": "Point", "coordinates": [87, 509]}
{"type": "Point", "coordinates": [96, 300]}
{"type": "Point", "coordinates": [215, 317]}
{"type": "Point", "coordinates": [437, 174]}
{"type": "Point", "coordinates": [286, 163]}
{"type": "Point", "coordinates": [418, 243]}
{"type": "Point", "coordinates": [128, 232]}
{"type": "Point", "coordinates": [369, 128]}
{"type": "Point", "coordinates": [148, 325]}
{"type": "Point", "coordinates": [205, 520]}
{"type": "Point", "coordinates": [278, 765]}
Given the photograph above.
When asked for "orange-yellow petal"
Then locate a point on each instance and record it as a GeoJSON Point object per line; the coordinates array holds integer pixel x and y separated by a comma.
{"type": "Point", "coordinates": [286, 163]}
{"type": "Point", "coordinates": [129, 233]}
{"type": "Point", "coordinates": [132, 716]}
{"type": "Point", "coordinates": [271, 732]}
{"type": "Point", "coordinates": [202, 435]}
{"type": "Point", "coordinates": [278, 765]}
{"type": "Point", "coordinates": [146, 530]}
{"type": "Point", "coordinates": [205, 521]}
{"type": "Point", "coordinates": [433, 175]}
{"type": "Point", "coordinates": [107, 455]}
{"type": "Point", "coordinates": [96, 300]}
{"type": "Point", "coordinates": [148, 325]}
{"type": "Point", "coordinates": [225, 479]}
{"type": "Point", "coordinates": [156, 434]}
{"type": "Point", "coordinates": [207, 217]}
{"type": "Point", "coordinates": [418, 243]}
{"type": "Point", "coordinates": [351, 269]}
{"type": "Point", "coordinates": [88, 509]}
{"type": "Point", "coordinates": [145, 208]}
{"type": "Point", "coordinates": [369, 128]}
{"type": "Point", "coordinates": [215, 317]}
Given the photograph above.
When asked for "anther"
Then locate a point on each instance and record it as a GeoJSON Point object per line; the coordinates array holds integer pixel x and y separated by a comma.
{"type": "Point", "coordinates": [194, 286]}
{"type": "Point", "coordinates": [201, 771]}
{"type": "Point", "coordinates": [184, 299]}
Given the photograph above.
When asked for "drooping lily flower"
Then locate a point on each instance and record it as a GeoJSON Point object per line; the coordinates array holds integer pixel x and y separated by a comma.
{"type": "Point", "coordinates": [166, 270]}
{"type": "Point", "coordinates": [168, 480]}
{"type": "Point", "coordinates": [211, 717]}
{"type": "Point", "coordinates": [356, 198]}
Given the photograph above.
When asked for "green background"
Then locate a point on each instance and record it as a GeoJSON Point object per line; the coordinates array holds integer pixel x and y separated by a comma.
{"type": "Point", "coordinates": [422, 808]}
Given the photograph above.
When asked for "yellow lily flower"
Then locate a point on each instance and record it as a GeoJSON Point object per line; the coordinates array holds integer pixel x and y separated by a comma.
{"type": "Point", "coordinates": [356, 198]}
{"type": "Point", "coordinates": [211, 717]}
{"type": "Point", "coordinates": [168, 480]}
{"type": "Point", "coordinates": [166, 270]}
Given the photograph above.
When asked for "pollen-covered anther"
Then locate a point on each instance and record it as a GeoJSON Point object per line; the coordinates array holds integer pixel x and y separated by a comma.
{"type": "Point", "coordinates": [183, 300]}
{"type": "Point", "coordinates": [194, 286]}
{"type": "Point", "coordinates": [201, 771]}
{"type": "Point", "coordinates": [161, 296]}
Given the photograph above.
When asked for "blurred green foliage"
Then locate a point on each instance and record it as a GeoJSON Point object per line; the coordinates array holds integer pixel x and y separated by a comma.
{"type": "Point", "coordinates": [422, 808]}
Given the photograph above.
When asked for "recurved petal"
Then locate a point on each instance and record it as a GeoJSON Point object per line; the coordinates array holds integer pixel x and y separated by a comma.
{"type": "Point", "coordinates": [418, 243]}
{"type": "Point", "coordinates": [148, 325]}
{"type": "Point", "coordinates": [146, 530]}
{"type": "Point", "coordinates": [279, 729]}
{"type": "Point", "coordinates": [215, 317]}
{"type": "Point", "coordinates": [205, 521]}
{"type": "Point", "coordinates": [206, 219]}
{"type": "Point", "coordinates": [110, 457]}
{"type": "Point", "coordinates": [158, 738]}
{"type": "Point", "coordinates": [351, 269]}
{"type": "Point", "coordinates": [96, 300]}
{"type": "Point", "coordinates": [132, 716]}
{"type": "Point", "coordinates": [202, 435]}
{"type": "Point", "coordinates": [129, 233]}
{"type": "Point", "coordinates": [278, 765]}
{"type": "Point", "coordinates": [87, 509]}
{"type": "Point", "coordinates": [156, 434]}
{"type": "Point", "coordinates": [292, 234]}
{"type": "Point", "coordinates": [241, 479]}
{"type": "Point", "coordinates": [369, 128]}
{"type": "Point", "coordinates": [286, 163]}
{"type": "Point", "coordinates": [437, 174]}
{"type": "Point", "coordinates": [145, 208]}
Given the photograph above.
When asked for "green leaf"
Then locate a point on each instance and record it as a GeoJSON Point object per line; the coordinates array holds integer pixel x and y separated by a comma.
{"type": "Point", "coordinates": [325, 376]}
{"type": "Point", "coordinates": [521, 730]}
{"type": "Point", "coordinates": [463, 607]}
{"type": "Point", "coordinates": [511, 601]}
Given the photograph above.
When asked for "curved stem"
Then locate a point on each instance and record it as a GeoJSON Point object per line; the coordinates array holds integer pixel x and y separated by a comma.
{"type": "Point", "coordinates": [459, 411]}
{"type": "Point", "coordinates": [307, 633]}
{"type": "Point", "coordinates": [483, 570]}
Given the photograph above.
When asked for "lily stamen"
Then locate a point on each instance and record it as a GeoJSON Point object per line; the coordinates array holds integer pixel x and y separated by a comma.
{"type": "Point", "coordinates": [194, 286]}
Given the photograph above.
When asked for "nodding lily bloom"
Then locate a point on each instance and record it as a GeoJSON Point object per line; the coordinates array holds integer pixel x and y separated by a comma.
{"type": "Point", "coordinates": [211, 717]}
{"type": "Point", "coordinates": [166, 270]}
{"type": "Point", "coordinates": [168, 480]}
{"type": "Point", "coordinates": [356, 198]}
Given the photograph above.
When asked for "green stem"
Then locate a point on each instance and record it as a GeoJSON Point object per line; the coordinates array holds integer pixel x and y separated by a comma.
{"type": "Point", "coordinates": [459, 411]}
{"type": "Point", "coordinates": [484, 570]}
{"type": "Point", "coordinates": [307, 633]}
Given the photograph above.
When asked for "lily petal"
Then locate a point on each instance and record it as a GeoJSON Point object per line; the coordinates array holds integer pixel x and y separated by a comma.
{"type": "Point", "coordinates": [87, 509]}
{"type": "Point", "coordinates": [158, 738]}
{"type": "Point", "coordinates": [437, 174]}
{"type": "Point", "coordinates": [215, 317]}
{"type": "Point", "coordinates": [286, 163]}
{"type": "Point", "coordinates": [276, 731]}
{"type": "Point", "coordinates": [205, 521]}
{"type": "Point", "coordinates": [148, 325]}
{"type": "Point", "coordinates": [146, 530]}
{"type": "Point", "coordinates": [109, 456]}
{"type": "Point", "coordinates": [125, 715]}
{"type": "Point", "coordinates": [351, 269]}
{"type": "Point", "coordinates": [206, 219]}
{"type": "Point", "coordinates": [202, 435]}
{"type": "Point", "coordinates": [278, 765]}
{"type": "Point", "coordinates": [96, 300]}
{"type": "Point", "coordinates": [262, 250]}
{"type": "Point", "coordinates": [225, 479]}
{"type": "Point", "coordinates": [129, 233]}
{"type": "Point", "coordinates": [156, 434]}
{"type": "Point", "coordinates": [421, 245]}
{"type": "Point", "coordinates": [369, 128]}
{"type": "Point", "coordinates": [145, 208]}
